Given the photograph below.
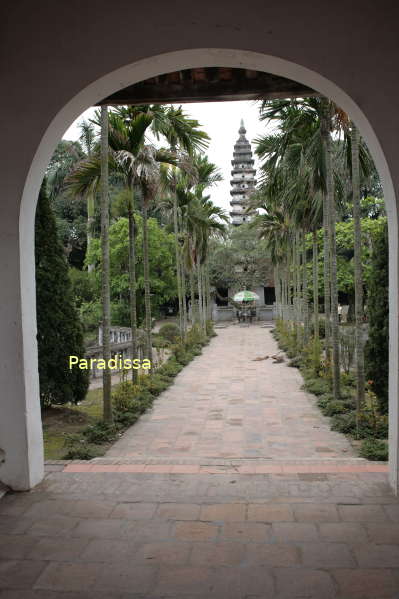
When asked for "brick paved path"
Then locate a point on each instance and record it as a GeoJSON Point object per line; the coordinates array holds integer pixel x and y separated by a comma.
{"type": "Point", "coordinates": [124, 528]}
{"type": "Point", "coordinates": [225, 404]}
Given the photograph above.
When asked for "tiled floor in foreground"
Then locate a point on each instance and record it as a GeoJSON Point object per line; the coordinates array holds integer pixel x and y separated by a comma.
{"type": "Point", "coordinates": [238, 519]}
{"type": "Point", "coordinates": [138, 535]}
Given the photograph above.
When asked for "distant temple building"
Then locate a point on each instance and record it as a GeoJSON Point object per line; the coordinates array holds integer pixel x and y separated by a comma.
{"type": "Point", "coordinates": [243, 181]}
{"type": "Point", "coordinates": [256, 275]}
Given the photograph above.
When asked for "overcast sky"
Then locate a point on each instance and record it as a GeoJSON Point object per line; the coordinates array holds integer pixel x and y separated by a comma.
{"type": "Point", "coordinates": [221, 120]}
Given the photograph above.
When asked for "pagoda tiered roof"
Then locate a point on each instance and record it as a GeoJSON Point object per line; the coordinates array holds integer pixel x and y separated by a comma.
{"type": "Point", "coordinates": [242, 186]}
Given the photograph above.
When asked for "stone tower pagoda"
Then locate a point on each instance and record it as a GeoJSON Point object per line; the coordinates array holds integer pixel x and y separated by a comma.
{"type": "Point", "coordinates": [243, 181]}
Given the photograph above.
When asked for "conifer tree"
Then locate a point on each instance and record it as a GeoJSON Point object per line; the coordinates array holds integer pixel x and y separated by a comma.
{"type": "Point", "coordinates": [376, 350]}
{"type": "Point", "coordinates": [59, 332]}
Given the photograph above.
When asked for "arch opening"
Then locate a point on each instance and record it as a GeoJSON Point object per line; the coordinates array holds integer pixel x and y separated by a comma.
{"type": "Point", "coordinates": [139, 71]}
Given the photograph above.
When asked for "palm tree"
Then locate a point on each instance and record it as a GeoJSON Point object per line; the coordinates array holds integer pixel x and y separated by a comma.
{"type": "Point", "coordinates": [305, 136]}
{"type": "Point", "coordinates": [180, 131]}
{"type": "Point", "coordinates": [358, 163]}
{"type": "Point", "coordinates": [105, 267]}
{"type": "Point", "coordinates": [128, 126]}
{"type": "Point", "coordinates": [359, 352]}
{"type": "Point", "coordinates": [87, 140]}
{"type": "Point", "coordinates": [185, 186]}
{"type": "Point", "coordinates": [292, 182]}
{"type": "Point", "coordinates": [177, 181]}
{"type": "Point", "coordinates": [326, 128]}
{"type": "Point", "coordinates": [145, 167]}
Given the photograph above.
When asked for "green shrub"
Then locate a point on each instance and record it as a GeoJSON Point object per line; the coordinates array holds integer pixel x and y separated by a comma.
{"type": "Point", "coordinates": [155, 384]}
{"type": "Point", "coordinates": [317, 386]}
{"type": "Point", "coordinates": [79, 449]}
{"type": "Point", "coordinates": [348, 379]}
{"type": "Point", "coordinates": [347, 392]}
{"type": "Point", "coordinates": [374, 449]}
{"type": "Point", "coordinates": [84, 452]}
{"type": "Point", "coordinates": [324, 400]}
{"type": "Point", "coordinates": [369, 426]}
{"type": "Point", "coordinates": [195, 336]}
{"type": "Point", "coordinates": [344, 423]}
{"type": "Point", "coordinates": [337, 407]}
{"type": "Point", "coordinates": [209, 329]}
{"type": "Point", "coordinates": [170, 368]}
{"type": "Point", "coordinates": [125, 419]}
{"type": "Point", "coordinates": [101, 432]}
{"type": "Point", "coordinates": [158, 341]}
{"type": "Point", "coordinates": [123, 395]}
{"type": "Point", "coordinates": [170, 332]}
{"type": "Point", "coordinates": [182, 356]}
{"type": "Point", "coordinates": [295, 362]}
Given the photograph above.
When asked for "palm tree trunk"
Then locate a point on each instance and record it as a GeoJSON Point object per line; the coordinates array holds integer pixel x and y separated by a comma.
{"type": "Point", "coordinates": [204, 296]}
{"type": "Point", "coordinates": [326, 277]}
{"type": "Point", "coordinates": [90, 225]}
{"type": "Point", "coordinates": [208, 293]}
{"type": "Point", "coordinates": [305, 293]}
{"type": "Point", "coordinates": [193, 302]}
{"type": "Point", "coordinates": [359, 354]}
{"type": "Point", "coordinates": [105, 270]}
{"type": "Point", "coordinates": [333, 252]}
{"type": "Point", "coordinates": [147, 296]}
{"type": "Point", "coordinates": [178, 262]}
{"type": "Point", "coordinates": [316, 363]}
{"type": "Point", "coordinates": [296, 290]}
{"type": "Point", "coordinates": [132, 282]}
{"type": "Point", "coordinates": [200, 296]}
{"type": "Point", "coordinates": [184, 299]}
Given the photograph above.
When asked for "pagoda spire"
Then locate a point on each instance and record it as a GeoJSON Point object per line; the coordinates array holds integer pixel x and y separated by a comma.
{"type": "Point", "coordinates": [243, 178]}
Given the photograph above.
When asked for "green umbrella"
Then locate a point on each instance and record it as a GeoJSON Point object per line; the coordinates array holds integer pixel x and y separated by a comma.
{"type": "Point", "coordinates": [245, 296]}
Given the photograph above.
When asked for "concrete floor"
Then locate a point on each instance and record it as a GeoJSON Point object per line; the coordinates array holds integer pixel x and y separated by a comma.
{"type": "Point", "coordinates": [232, 487]}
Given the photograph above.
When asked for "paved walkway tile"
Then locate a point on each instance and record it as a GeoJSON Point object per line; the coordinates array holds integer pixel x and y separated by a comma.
{"type": "Point", "coordinates": [220, 492]}
{"type": "Point", "coordinates": [225, 404]}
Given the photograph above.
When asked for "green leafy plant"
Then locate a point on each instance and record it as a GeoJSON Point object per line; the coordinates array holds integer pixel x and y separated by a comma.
{"type": "Point", "coordinates": [374, 449]}
{"type": "Point", "coordinates": [170, 332]}
{"type": "Point", "coordinates": [317, 386]}
{"type": "Point", "coordinates": [101, 432]}
{"type": "Point", "coordinates": [80, 449]}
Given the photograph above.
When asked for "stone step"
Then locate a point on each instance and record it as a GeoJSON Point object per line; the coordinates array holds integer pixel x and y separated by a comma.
{"type": "Point", "coordinates": [218, 466]}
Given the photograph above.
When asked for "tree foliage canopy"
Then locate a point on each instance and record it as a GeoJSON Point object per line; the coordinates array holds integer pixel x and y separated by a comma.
{"type": "Point", "coordinates": [59, 330]}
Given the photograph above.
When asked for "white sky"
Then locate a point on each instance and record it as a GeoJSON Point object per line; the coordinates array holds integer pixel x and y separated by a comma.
{"type": "Point", "coordinates": [221, 120]}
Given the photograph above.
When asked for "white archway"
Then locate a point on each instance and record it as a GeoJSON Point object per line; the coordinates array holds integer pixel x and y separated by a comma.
{"type": "Point", "coordinates": [93, 93]}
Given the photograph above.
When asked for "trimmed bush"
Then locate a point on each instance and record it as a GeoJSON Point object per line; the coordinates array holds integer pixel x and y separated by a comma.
{"type": "Point", "coordinates": [80, 449]}
{"type": "Point", "coordinates": [374, 449]}
{"type": "Point", "coordinates": [344, 423]}
{"type": "Point", "coordinates": [101, 432]}
{"type": "Point", "coordinates": [123, 395]}
{"type": "Point", "coordinates": [170, 332]}
{"type": "Point", "coordinates": [369, 426]}
{"type": "Point", "coordinates": [317, 386]}
{"type": "Point", "coordinates": [125, 419]}
{"type": "Point", "coordinates": [170, 368]}
{"type": "Point", "coordinates": [155, 384]}
{"type": "Point", "coordinates": [337, 407]}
